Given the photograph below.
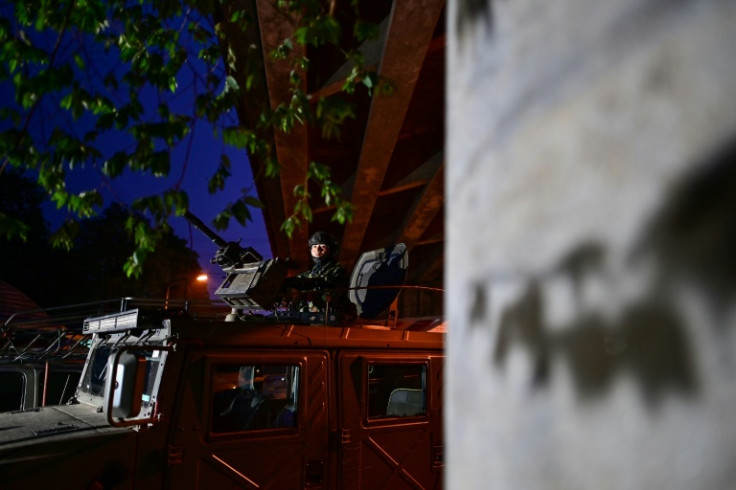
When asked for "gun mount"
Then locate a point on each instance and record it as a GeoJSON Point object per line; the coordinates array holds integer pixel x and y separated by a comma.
{"type": "Point", "coordinates": [229, 254]}
{"type": "Point", "coordinates": [251, 282]}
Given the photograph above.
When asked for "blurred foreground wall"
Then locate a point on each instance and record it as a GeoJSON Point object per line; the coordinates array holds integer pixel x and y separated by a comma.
{"type": "Point", "coordinates": [591, 258]}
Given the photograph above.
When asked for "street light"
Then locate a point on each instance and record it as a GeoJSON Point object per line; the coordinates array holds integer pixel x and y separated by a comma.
{"type": "Point", "coordinates": [200, 278]}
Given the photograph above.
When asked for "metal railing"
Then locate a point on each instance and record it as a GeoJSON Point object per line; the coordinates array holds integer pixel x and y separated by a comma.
{"type": "Point", "coordinates": [56, 332]}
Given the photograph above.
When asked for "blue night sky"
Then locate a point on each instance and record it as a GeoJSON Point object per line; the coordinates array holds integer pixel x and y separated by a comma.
{"type": "Point", "coordinates": [203, 158]}
{"type": "Point", "coordinates": [193, 160]}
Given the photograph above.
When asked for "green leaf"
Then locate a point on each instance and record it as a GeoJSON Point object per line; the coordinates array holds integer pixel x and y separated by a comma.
{"type": "Point", "coordinates": [318, 171]}
{"type": "Point", "coordinates": [241, 212]}
{"type": "Point", "coordinates": [79, 61]}
{"type": "Point", "coordinates": [272, 167]}
{"type": "Point", "coordinates": [115, 165]}
{"type": "Point", "coordinates": [218, 180]}
{"type": "Point", "coordinates": [133, 266]}
{"type": "Point", "coordinates": [13, 227]}
{"type": "Point", "coordinates": [301, 208]}
{"type": "Point", "coordinates": [231, 83]}
{"type": "Point", "coordinates": [343, 213]}
{"type": "Point", "coordinates": [239, 137]}
{"type": "Point", "coordinates": [290, 225]}
{"type": "Point", "coordinates": [160, 163]}
{"type": "Point", "coordinates": [283, 50]}
{"type": "Point", "coordinates": [151, 43]}
{"type": "Point", "coordinates": [300, 191]}
{"type": "Point", "coordinates": [364, 31]}
{"type": "Point", "coordinates": [253, 202]}
{"type": "Point", "coordinates": [64, 236]}
{"type": "Point", "coordinates": [222, 220]}
{"type": "Point", "coordinates": [370, 80]}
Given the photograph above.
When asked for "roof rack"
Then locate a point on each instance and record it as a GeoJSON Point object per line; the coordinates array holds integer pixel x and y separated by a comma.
{"type": "Point", "coordinates": [57, 332]}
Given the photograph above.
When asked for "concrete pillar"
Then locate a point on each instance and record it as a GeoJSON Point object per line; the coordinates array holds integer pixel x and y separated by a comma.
{"type": "Point", "coordinates": [591, 252]}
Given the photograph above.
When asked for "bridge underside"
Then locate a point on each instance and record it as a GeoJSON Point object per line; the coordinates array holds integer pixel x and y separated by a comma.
{"type": "Point", "coordinates": [388, 160]}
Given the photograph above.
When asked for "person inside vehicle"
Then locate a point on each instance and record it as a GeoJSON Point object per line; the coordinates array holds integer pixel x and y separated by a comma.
{"type": "Point", "coordinates": [326, 281]}
{"type": "Point", "coordinates": [246, 403]}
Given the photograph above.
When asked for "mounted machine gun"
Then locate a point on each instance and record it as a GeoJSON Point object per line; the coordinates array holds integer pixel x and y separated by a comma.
{"type": "Point", "coordinates": [250, 281]}
{"type": "Point", "coordinates": [230, 254]}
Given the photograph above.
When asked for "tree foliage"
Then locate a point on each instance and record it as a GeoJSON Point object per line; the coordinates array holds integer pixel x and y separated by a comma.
{"type": "Point", "coordinates": [109, 87]}
{"type": "Point", "coordinates": [93, 268]}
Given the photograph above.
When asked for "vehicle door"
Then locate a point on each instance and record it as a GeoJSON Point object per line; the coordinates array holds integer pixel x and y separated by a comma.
{"type": "Point", "coordinates": [390, 420]}
{"type": "Point", "coordinates": [261, 422]}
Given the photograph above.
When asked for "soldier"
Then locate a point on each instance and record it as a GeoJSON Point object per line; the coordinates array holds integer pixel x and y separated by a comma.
{"type": "Point", "coordinates": [325, 274]}
{"type": "Point", "coordinates": [243, 409]}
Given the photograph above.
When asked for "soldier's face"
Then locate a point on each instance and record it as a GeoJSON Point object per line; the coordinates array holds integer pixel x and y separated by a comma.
{"type": "Point", "coordinates": [319, 250]}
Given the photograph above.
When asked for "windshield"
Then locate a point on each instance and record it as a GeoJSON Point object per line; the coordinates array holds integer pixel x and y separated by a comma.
{"type": "Point", "coordinates": [95, 375]}
{"type": "Point", "coordinates": [92, 386]}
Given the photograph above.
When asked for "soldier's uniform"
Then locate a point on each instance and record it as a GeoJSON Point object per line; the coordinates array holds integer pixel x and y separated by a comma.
{"type": "Point", "coordinates": [323, 276]}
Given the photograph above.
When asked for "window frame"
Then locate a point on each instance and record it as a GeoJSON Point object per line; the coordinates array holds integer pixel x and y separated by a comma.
{"type": "Point", "coordinates": [380, 420]}
{"type": "Point", "coordinates": [24, 384]}
{"type": "Point", "coordinates": [255, 359]}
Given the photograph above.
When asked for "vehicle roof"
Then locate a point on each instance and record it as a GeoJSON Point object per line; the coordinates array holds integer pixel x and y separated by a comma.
{"type": "Point", "coordinates": [289, 335]}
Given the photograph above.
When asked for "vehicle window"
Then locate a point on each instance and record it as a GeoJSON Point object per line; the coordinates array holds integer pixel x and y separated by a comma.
{"type": "Point", "coordinates": [95, 375]}
{"type": "Point", "coordinates": [396, 390]}
{"type": "Point", "coordinates": [96, 372]}
{"type": "Point", "coordinates": [61, 386]}
{"type": "Point", "coordinates": [11, 390]}
{"type": "Point", "coordinates": [153, 359]}
{"type": "Point", "coordinates": [254, 397]}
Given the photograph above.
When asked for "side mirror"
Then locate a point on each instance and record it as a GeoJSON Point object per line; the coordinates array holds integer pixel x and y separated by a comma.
{"type": "Point", "coordinates": [125, 384]}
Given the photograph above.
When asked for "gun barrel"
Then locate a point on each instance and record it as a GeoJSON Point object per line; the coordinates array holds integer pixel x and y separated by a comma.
{"type": "Point", "coordinates": [197, 223]}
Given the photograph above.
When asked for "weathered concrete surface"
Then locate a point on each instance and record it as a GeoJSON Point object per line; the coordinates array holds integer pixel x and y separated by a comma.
{"type": "Point", "coordinates": [591, 258]}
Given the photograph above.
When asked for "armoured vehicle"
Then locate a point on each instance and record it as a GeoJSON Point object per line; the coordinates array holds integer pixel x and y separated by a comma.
{"type": "Point", "coordinates": [258, 398]}
{"type": "Point", "coordinates": [43, 351]}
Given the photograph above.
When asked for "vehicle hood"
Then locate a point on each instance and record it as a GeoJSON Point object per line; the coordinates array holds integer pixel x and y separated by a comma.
{"type": "Point", "coordinates": [64, 421]}
{"type": "Point", "coordinates": [65, 447]}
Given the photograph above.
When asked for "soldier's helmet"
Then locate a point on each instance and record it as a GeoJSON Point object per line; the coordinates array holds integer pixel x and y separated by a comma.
{"type": "Point", "coordinates": [322, 237]}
